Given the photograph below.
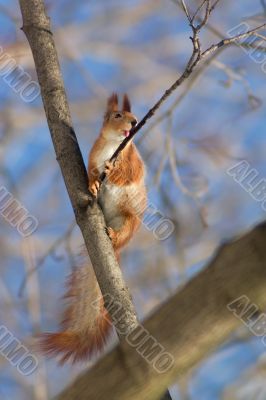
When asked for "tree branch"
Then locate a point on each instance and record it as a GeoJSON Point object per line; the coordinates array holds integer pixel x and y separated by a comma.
{"type": "Point", "coordinates": [226, 42]}
{"type": "Point", "coordinates": [190, 325]}
{"type": "Point", "coordinates": [89, 216]}
{"type": "Point", "coordinates": [196, 57]}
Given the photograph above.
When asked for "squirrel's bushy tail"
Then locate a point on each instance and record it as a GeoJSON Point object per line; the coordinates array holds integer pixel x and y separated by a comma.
{"type": "Point", "coordinates": [86, 323]}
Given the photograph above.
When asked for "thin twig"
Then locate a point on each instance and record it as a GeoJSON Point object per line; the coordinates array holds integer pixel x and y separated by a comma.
{"type": "Point", "coordinates": [196, 57]}
{"type": "Point", "coordinates": [206, 16]}
{"type": "Point", "coordinates": [186, 11]}
{"type": "Point", "coordinates": [182, 96]}
{"type": "Point", "coordinates": [198, 10]}
{"type": "Point", "coordinates": [214, 5]}
{"type": "Point", "coordinates": [228, 41]}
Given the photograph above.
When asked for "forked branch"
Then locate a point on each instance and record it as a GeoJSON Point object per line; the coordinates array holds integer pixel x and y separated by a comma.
{"type": "Point", "coordinates": [196, 57]}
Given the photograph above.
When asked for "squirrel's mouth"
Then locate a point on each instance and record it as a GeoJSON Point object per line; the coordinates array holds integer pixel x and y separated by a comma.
{"type": "Point", "coordinates": [126, 133]}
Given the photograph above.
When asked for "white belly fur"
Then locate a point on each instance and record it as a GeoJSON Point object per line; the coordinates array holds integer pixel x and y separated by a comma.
{"type": "Point", "coordinates": [110, 198]}
{"type": "Point", "coordinates": [105, 154]}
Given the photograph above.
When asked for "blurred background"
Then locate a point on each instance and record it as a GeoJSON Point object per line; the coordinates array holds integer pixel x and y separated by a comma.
{"type": "Point", "coordinates": [212, 122]}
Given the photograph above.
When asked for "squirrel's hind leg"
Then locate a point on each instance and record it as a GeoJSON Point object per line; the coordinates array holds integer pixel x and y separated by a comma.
{"type": "Point", "coordinates": [122, 236]}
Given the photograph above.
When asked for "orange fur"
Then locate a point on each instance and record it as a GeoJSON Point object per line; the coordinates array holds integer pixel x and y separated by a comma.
{"type": "Point", "coordinates": [85, 325]}
{"type": "Point", "coordinates": [122, 197]}
{"type": "Point", "coordinates": [125, 179]}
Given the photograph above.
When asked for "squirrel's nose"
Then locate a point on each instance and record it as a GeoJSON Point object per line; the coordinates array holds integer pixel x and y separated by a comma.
{"type": "Point", "coordinates": [134, 122]}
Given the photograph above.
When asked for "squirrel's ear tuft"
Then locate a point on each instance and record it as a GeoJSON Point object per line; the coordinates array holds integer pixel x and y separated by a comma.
{"type": "Point", "coordinates": [126, 103]}
{"type": "Point", "coordinates": [112, 103]}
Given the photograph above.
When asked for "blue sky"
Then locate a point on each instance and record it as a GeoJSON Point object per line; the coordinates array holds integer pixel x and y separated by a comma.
{"type": "Point", "coordinates": [215, 107]}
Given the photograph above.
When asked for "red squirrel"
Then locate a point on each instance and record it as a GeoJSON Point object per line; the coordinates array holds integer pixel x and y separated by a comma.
{"type": "Point", "coordinates": [122, 197]}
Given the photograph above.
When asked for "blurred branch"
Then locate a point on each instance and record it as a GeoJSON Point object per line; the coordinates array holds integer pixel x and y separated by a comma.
{"type": "Point", "coordinates": [197, 314]}
{"type": "Point", "coordinates": [34, 311]}
{"type": "Point", "coordinates": [5, 11]}
{"type": "Point", "coordinates": [169, 150]}
{"type": "Point", "coordinates": [50, 251]}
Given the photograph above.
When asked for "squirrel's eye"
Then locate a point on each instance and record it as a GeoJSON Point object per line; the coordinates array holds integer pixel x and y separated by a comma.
{"type": "Point", "coordinates": [118, 115]}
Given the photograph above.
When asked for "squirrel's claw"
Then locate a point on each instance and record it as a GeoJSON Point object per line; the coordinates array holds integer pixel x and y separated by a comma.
{"type": "Point", "coordinates": [111, 233]}
{"type": "Point", "coordinates": [108, 167]}
{"type": "Point", "coordinates": [94, 188]}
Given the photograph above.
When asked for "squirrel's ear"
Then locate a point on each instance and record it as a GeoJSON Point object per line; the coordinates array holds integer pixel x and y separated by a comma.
{"type": "Point", "coordinates": [112, 103]}
{"type": "Point", "coordinates": [126, 103]}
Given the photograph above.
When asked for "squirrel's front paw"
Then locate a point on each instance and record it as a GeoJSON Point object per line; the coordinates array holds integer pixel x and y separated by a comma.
{"type": "Point", "coordinates": [108, 167]}
{"type": "Point", "coordinates": [94, 188]}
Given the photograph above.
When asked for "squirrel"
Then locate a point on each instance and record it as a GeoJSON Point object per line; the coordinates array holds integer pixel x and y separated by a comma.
{"type": "Point", "coordinates": [86, 324]}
